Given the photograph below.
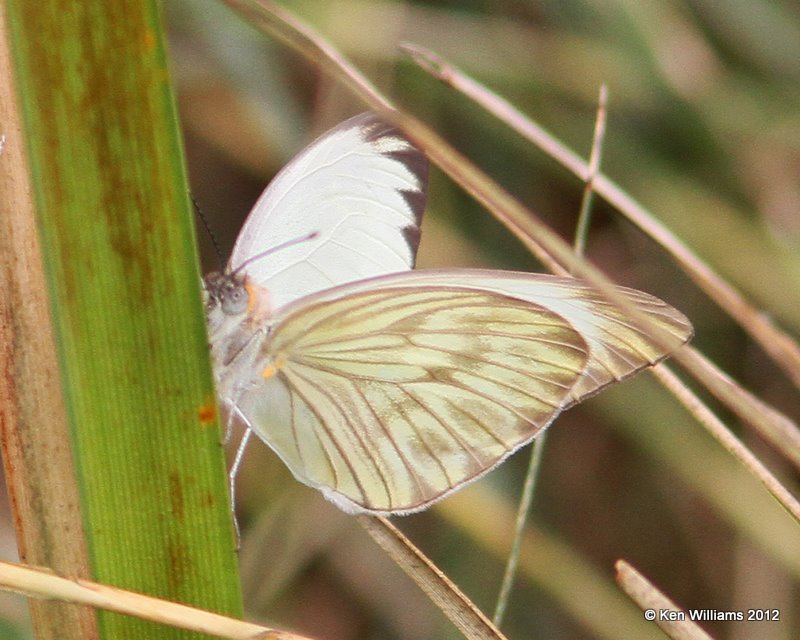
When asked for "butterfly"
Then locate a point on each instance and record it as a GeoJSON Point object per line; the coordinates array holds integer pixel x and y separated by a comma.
{"type": "Point", "coordinates": [384, 387]}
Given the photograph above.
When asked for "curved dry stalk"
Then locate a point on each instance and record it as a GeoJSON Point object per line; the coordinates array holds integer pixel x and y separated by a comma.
{"type": "Point", "coordinates": [40, 583]}
{"type": "Point", "coordinates": [775, 342]}
{"type": "Point", "coordinates": [650, 599]}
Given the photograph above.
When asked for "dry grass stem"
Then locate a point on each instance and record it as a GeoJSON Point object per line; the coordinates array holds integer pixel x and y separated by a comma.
{"type": "Point", "coordinates": [40, 583]}
{"type": "Point", "coordinates": [724, 436]}
{"type": "Point", "coordinates": [651, 599]}
{"type": "Point", "coordinates": [461, 611]}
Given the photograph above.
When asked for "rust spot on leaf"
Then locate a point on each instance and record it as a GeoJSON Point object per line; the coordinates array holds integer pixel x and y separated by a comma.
{"type": "Point", "coordinates": [207, 413]}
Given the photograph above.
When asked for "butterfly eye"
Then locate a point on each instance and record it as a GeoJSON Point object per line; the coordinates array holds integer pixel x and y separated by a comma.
{"type": "Point", "coordinates": [234, 300]}
{"type": "Point", "coordinates": [210, 301]}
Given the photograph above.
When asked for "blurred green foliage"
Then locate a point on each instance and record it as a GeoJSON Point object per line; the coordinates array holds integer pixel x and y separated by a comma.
{"type": "Point", "coordinates": [704, 130]}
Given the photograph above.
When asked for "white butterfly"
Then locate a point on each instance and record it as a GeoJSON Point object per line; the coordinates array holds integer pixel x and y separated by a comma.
{"type": "Point", "coordinates": [387, 388]}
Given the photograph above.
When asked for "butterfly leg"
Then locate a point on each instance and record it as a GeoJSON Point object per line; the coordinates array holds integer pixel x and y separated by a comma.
{"type": "Point", "coordinates": [228, 434]}
{"type": "Point", "coordinates": [234, 470]}
{"type": "Point", "coordinates": [237, 462]}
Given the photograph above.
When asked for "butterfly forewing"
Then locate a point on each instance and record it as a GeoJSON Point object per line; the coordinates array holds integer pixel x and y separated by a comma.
{"type": "Point", "coordinates": [392, 398]}
{"type": "Point", "coordinates": [361, 189]}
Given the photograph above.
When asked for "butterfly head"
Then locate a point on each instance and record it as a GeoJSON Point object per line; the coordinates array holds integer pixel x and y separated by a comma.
{"type": "Point", "coordinates": [226, 293]}
{"type": "Point", "coordinates": [236, 310]}
{"type": "Point", "coordinates": [232, 296]}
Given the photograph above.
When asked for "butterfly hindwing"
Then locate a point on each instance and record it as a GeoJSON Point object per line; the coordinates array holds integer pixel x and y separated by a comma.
{"type": "Point", "coordinates": [389, 399]}
{"type": "Point", "coordinates": [387, 394]}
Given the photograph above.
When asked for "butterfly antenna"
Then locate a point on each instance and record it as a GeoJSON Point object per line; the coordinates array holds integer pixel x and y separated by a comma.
{"type": "Point", "coordinates": [271, 250]}
{"type": "Point", "coordinates": [207, 226]}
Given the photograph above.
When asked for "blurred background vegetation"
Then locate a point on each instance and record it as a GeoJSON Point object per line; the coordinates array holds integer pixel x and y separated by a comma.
{"type": "Point", "coordinates": [703, 129]}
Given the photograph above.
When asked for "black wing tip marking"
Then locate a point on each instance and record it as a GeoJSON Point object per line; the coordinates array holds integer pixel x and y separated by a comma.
{"type": "Point", "coordinates": [412, 234]}
{"type": "Point", "coordinates": [416, 163]}
{"type": "Point", "coordinates": [374, 128]}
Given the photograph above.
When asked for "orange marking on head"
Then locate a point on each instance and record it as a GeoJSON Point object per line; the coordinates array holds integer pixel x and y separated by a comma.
{"type": "Point", "coordinates": [257, 300]}
{"type": "Point", "coordinates": [251, 296]}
